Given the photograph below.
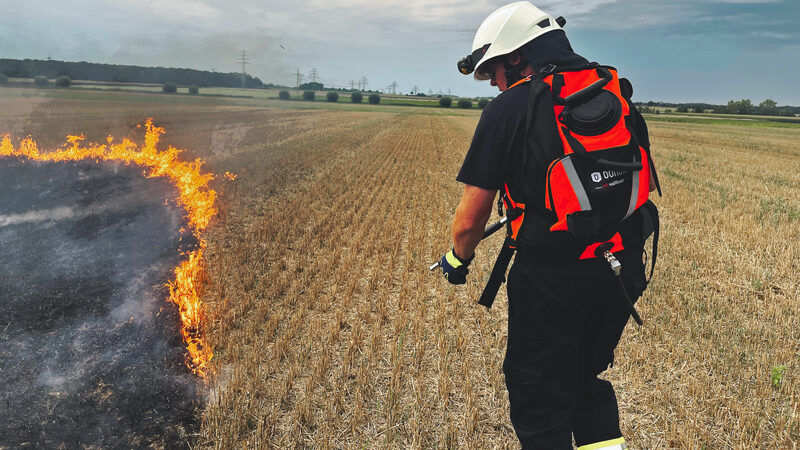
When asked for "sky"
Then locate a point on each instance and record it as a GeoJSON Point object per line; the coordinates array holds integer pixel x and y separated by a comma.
{"type": "Point", "coordinates": [672, 50]}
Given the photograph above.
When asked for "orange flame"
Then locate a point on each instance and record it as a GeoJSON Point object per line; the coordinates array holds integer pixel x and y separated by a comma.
{"type": "Point", "coordinates": [195, 197]}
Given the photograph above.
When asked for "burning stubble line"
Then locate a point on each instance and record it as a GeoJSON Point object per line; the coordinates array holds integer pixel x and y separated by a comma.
{"type": "Point", "coordinates": [194, 196]}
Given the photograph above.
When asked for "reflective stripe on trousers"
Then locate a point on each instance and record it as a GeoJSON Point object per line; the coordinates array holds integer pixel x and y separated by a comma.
{"type": "Point", "coordinates": [613, 444]}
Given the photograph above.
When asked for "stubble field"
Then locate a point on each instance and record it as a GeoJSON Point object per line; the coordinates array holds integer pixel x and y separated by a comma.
{"type": "Point", "coordinates": [329, 331]}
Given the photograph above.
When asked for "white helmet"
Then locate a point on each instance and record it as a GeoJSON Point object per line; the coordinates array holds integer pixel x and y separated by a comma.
{"type": "Point", "coordinates": [506, 30]}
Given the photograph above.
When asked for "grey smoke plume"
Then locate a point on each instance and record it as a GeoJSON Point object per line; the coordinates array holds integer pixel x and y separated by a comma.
{"type": "Point", "coordinates": [90, 352]}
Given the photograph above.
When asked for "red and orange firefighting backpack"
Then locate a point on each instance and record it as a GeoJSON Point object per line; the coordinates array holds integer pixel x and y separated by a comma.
{"type": "Point", "coordinates": [597, 154]}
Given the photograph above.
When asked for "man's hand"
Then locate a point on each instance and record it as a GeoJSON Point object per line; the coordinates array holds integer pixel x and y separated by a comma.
{"type": "Point", "coordinates": [454, 268]}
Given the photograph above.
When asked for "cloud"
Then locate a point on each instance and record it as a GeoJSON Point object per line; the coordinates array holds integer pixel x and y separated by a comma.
{"type": "Point", "coordinates": [218, 51]}
{"type": "Point", "coordinates": [746, 2]}
{"type": "Point", "coordinates": [773, 35]}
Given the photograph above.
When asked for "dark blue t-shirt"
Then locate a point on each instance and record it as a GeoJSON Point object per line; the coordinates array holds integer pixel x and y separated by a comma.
{"type": "Point", "coordinates": [494, 157]}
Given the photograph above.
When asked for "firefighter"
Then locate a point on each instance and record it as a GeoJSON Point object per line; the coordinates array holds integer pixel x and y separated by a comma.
{"type": "Point", "coordinates": [565, 316]}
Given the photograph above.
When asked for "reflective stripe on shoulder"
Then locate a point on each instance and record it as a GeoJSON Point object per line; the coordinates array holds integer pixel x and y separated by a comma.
{"type": "Point", "coordinates": [634, 194]}
{"type": "Point", "coordinates": [577, 186]}
{"type": "Point", "coordinates": [613, 444]}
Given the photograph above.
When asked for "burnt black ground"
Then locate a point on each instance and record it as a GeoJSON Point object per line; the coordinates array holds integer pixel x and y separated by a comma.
{"type": "Point", "coordinates": [90, 352]}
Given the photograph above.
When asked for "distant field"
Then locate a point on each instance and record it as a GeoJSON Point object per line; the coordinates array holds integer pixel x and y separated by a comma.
{"type": "Point", "coordinates": [721, 119]}
{"type": "Point", "coordinates": [329, 331]}
{"type": "Point", "coordinates": [229, 97]}
{"type": "Point", "coordinates": [262, 94]}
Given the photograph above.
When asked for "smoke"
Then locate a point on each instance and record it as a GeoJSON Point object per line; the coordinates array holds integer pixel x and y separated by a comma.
{"type": "Point", "coordinates": [54, 214]}
{"type": "Point", "coordinates": [90, 348]}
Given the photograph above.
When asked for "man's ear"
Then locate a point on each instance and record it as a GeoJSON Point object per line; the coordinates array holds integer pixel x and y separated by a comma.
{"type": "Point", "coordinates": [514, 58]}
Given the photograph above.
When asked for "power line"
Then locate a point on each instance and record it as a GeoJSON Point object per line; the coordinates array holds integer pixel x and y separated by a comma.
{"type": "Point", "coordinates": [299, 78]}
{"type": "Point", "coordinates": [243, 59]}
{"type": "Point", "coordinates": [314, 75]}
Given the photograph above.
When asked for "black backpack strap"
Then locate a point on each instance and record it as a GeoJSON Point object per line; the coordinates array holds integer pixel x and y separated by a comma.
{"type": "Point", "coordinates": [639, 131]}
{"type": "Point", "coordinates": [498, 276]}
{"type": "Point", "coordinates": [651, 225]}
{"type": "Point", "coordinates": [542, 159]}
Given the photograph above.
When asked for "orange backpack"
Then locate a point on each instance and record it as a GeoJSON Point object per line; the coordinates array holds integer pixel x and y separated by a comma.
{"type": "Point", "coordinates": [597, 177]}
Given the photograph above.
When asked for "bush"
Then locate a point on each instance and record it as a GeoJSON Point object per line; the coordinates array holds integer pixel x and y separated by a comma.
{"type": "Point", "coordinates": [332, 97]}
{"type": "Point", "coordinates": [3, 79]}
{"type": "Point", "coordinates": [698, 110]}
{"type": "Point", "coordinates": [194, 90]}
{"type": "Point", "coordinates": [445, 101]}
{"type": "Point", "coordinates": [63, 81]}
{"type": "Point", "coordinates": [169, 88]}
{"type": "Point", "coordinates": [41, 81]}
{"type": "Point", "coordinates": [482, 103]}
{"type": "Point", "coordinates": [308, 95]}
{"type": "Point", "coordinates": [374, 99]}
{"type": "Point", "coordinates": [356, 97]}
{"type": "Point", "coordinates": [464, 103]}
{"type": "Point", "coordinates": [682, 109]}
{"type": "Point", "coordinates": [283, 95]}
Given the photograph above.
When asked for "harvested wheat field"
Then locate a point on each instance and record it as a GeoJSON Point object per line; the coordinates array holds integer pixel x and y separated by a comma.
{"type": "Point", "coordinates": [329, 331]}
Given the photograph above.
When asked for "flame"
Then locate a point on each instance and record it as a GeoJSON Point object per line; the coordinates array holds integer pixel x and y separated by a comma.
{"type": "Point", "coordinates": [195, 197]}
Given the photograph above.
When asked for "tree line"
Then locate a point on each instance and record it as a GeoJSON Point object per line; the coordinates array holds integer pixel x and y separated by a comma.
{"type": "Point", "coordinates": [768, 107]}
{"type": "Point", "coordinates": [31, 68]}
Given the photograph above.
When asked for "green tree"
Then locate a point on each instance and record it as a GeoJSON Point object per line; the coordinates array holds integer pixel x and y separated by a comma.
{"type": "Point", "coordinates": [3, 79]}
{"type": "Point", "coordinates": [312, 86]}
{"type": "Point", "coordinates": [743, 106]}
{"type": "Point", "coordinates": [768, 107]}
{"type": "Point", "coordinates": [194, 90]}
{"type": "Point", "coordinates": [308, 95]}
{"type": "Point", "coordinates": [374, 99]}
{"type": "Point", "coordinates": [332, 97]}
{"type": "Point", "coordinates": [464, 103]}
{"type": "Point", "coordinates": [41, 81]}
{"type": "Point", "coordinates": [445, 102]}
{"type": "Point", "coordinates": [482, 103]}
{"type": "Point", "coordinates": [169, 88]}
{"type": "Point", "coordinates": [682, 109]}
{"type": "Point", "coordinates": [63, 81]}
{"type": "Point", "coordinates": [356, 97]}
{"type": "Point", "coordinates": [283, 95]}
{"type": "Point", "coordinates": [698, 109]}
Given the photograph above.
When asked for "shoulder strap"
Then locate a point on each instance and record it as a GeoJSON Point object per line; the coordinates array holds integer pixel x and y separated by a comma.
{"type": "Point", "coordinates": [537, 87]}
{"type": "Point", "coordinates": [639, 132]}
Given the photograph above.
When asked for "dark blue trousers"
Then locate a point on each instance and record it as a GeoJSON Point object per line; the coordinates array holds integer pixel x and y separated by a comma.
{"type": "Point", "coordinates": [564, 322]}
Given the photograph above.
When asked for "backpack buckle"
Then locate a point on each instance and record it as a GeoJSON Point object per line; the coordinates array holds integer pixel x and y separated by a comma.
{"type": "Point", "coordinates": [548, 69]}
{"type": "Point", "coordinates": [500, 202]}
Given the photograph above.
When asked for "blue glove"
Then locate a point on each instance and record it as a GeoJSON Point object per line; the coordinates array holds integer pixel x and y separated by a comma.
{"type": "Point", "coordinates": [454, 268]}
